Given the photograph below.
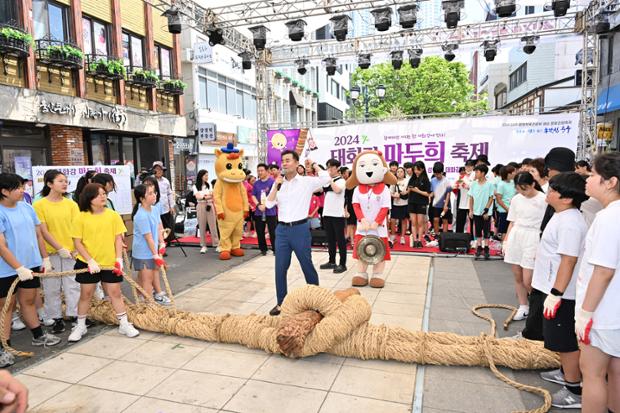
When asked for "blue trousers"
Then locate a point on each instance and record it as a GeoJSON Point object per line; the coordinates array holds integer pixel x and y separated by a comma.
{"type": "Point", "coordinates": [295, 239]}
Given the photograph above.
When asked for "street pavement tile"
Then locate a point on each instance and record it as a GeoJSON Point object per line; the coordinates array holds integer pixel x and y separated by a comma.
{"type": "Point", "coordinates": [221, 283]}
{"type": "Point", "coordinates": [144, 335]}
{"type": "Point", "coordinates": [39, 390]}
{"type": "Point", "coordinates": [418, 288]}
{"type": "Point", "coordinates": [163, 354]}
{"type": "Point", "coordinates": [228, 363]}
{"type": "Point", "coordinates": [409, 310]}
{"type": "Point", "coordinates": [304, 373]}
{"type": "Point", "coordinates": [225, 305]}
{"type": "Point", "coordinates": [260, 296]}
{"type": "Point", "coordinates": [475, 397]}
{"type": "Point", "coordinates": [376, 384]}
{"type": "Point", "coordinates": [206, 293]}
{"type": "Point", "coordinates": [122, 376]}
{"type": "Point", "coordinates": [384, 365]}
{"type": "Point", "coordinates": [112, 347]}
{"type": "Point", "coordinates": [84, 399]}
{"type": "Point", "coordinates": [237, 348]}
{"type": "Point", "coordinates": [410, 323]}
{"type": "Point", "coordinates": [195, 304]}
{"type": "Point", "coordinates": [184, 341]}
{"type": "Point", "coordinates": [150, 405]}
{"type": "Point", "coordinates": [402, 298]}
{"type": "Point", "coordinates": [434, 375]}
{"type": "Point", "coordinates": [261, 397]}
{"type": "Point", "coordinates": [201, 389]}
{"type": "Point", "coordinates": [344, 403]}
{"type": "Point", "coordinates": [68, 367]}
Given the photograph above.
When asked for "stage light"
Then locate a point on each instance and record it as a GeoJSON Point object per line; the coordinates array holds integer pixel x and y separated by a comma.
{"type": "Point", "coordinates": [383, 18]}
{"type": "Point", "coordinates": [216, 36]}
{"type": "Point", "coordinates": [448, 51]}
{"type": "Point", "coordinates": [505, 8]}
{"type": "Point", "coordinates": [301, 66]}
{"type": "Point", "coordinates": [330, 65]}
{"type": "Point", "coordinates": [407, 16]}
{"type": "Point", "coordinates": [174, 20]}
{"type": "Point", "coordinates": [490, 49]}
{"type": "Point", "coordinates": [340, 26]}
{"type": "Point", "coordinates": [355, 93]}
{"type": "Point", "coordinates": [397, 59]}
{"type": "Point", "coordinates": [246, 60]}
{"type": "Point", "coordinates": [260, 36]}
{"type": "Point", "coordinates": [452, 12]}
{"type": "Point", "coordinates": [530, 43]}
{"type": "Point", "coordinates": [560, 7]}
{"type": "Point", "coordinates": [296, 29]}
{"type": "Point", "coordinates": [601, 23]}
{"type": "Point", "coordinates": [363, 60]}
{"type": "Point", "coordinates": [415, 57]}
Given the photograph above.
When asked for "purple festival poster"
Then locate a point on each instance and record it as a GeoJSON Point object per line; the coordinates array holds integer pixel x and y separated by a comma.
{"type": "Point", "coordinates": [280, 140]}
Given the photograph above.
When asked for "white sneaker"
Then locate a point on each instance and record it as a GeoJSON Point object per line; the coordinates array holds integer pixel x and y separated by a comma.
{"type": "Point", "coordinates": [162, 299]}
{"type": "Point", "coordinates": [203, 250]}
{"type": "Point", "coordinates": [17, 324]}
{"type": "Point", "coordinates": [6, 359]}
{"type": "Point", "coordinates": [47, 322]}
{"type": "Point", "coordinates": [218, 249]}
{"type": "Point", "coordinates": [402, 240]}
{"type": "Point", "coordinates": [76, 333]}
{"type": "Point", "coordinates": [127, 329]}
{"type": "Point", "coordinates": [522, 313]}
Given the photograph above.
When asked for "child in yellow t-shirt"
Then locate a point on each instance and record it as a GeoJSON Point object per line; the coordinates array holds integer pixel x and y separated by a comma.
{"type": "Point", "coordinates": [97, 234]}
{"type": "Point", "coordinates": [56, 213]}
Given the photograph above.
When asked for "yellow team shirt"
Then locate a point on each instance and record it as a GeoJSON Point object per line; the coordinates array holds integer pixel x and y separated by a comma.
{"type": "Point", "coordinates": [98, 234]}
{"type": "Point", "coordinates": [58, 217]}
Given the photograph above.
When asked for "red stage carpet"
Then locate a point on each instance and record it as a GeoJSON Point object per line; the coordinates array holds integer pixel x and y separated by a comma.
{"type": "Point", "coordinates": [253, 243]}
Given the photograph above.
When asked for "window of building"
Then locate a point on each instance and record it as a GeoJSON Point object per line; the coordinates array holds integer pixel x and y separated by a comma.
{"type": "Point", "coordinates": [133, 50]}
{"type": "Point", "coordinates": [610, 54]}
{"type": "Point", "coordinates": [51, 20]}
{"type": "Point", "coordinates": [518, 77]}
{"type": "Point", "coordinates": [224, 95]}
{"type": "Point", "coordinates": [530, 10]}
{"type": "Point", "coordinates": [96, 37]}
{"type": "Point", "coordinates": [501, 98]}
{"type": "Point", "coordinates": [335, 89]}
{"type": "Point", "coordinates": [8, 11]}
{"type": "Point", "coordinates": [163, 63]}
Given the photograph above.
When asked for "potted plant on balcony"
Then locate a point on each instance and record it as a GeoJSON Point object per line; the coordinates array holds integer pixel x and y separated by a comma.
{"type": "Point", "coordinates": [110, 68]}
{"type": "Point", "coordinates": [15, 41]}
{"type": "Point", "coordinates": [174, 86]}
{"type": "Point", "coordinates": [145, 77]}
{"type": "Point", "coordinates": [66, 54]}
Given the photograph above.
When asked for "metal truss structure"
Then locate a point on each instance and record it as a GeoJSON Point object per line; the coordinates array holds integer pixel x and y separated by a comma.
{"type": "Point", "coordinates": [267, 11]}
{"type": "Point", "coordinates": [256, 12]}
{"type": "Point", "coordinates": [505, 29]}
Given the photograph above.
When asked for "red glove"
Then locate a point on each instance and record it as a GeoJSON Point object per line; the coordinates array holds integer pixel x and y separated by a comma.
{"type": "Point", "coordinates": [159, 261]}
{"type": "Point", "coordinates": [162, 248]}
{"type": "Point", "coordinates": [118, 267]}
{"type": "Point", "coordinates": [246, 214]}
{"type": "Point", "coordinates": [221, 216]}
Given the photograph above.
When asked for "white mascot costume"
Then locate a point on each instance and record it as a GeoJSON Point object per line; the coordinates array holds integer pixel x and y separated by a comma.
{"type": "Point", "coordinates": [371, 201]}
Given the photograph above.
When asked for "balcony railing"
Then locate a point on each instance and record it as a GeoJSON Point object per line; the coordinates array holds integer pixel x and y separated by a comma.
{"type": "Point", "coordinates": [14, 41]}
{"type": "Point", "coordinates": [141, 77]}
{"type": "Point", "coordinates": [105, 67]}
{"type": "Point", "coordinates": [171, 86]}
{"type": "Point", "coordinates": [59, 54]}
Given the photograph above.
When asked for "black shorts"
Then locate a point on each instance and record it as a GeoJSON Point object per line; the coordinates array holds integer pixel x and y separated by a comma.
{"type": "Point", "coordinates": [534, 323]}
{"type": "Point", "coordinates": [417, 209]}
{"type": "Point", "coordinates": [6, 282]}
{"type": "Point", "coordinates": [399, 212]}
{"type": "Point", "coordinates": [559, 333]}
{"type": "Point", "coordinates": [106, 276]}
{"type": "Point", "coordinates": [438, 211]}
{"type": "Point", "coordinates": [482, 227]}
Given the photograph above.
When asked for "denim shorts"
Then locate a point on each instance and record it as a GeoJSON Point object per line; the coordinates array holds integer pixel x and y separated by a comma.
{"type": "Point", "coordinates": [140, 264]}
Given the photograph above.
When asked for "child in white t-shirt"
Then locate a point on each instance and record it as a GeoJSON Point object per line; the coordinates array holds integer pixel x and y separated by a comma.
{"type": "Point", "coordinates": [526, 212]}
{"type": "Point", "coordinates": [555, 275]}
{"type": "Point", "coordinates": [597, 306]}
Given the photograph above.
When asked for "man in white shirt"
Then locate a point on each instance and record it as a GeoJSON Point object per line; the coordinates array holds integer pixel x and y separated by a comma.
{"type": "Point", "coordinates": [333, 218]}
{"type": "Point", "coordinates": [166, 199]}
{"type": "Point", "coordinates": [292, 194]}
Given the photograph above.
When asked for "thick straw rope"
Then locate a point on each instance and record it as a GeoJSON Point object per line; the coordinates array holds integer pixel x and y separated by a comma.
{"type": "Point", "coordinates": [343, 331]}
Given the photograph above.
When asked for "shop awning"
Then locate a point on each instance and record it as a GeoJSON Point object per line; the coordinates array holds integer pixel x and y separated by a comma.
{"type": "Point", "coordinates": [608, 100]}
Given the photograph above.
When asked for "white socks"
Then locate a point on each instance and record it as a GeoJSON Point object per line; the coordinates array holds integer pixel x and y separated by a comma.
{"type": "Point", "coordinates": [81, 321]}
{"type": "Point", "coordinates": [122, 318]}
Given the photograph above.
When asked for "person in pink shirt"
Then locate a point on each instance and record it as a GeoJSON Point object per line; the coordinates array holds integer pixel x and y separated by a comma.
{"type": "Point", "coordinates": [313, 213]}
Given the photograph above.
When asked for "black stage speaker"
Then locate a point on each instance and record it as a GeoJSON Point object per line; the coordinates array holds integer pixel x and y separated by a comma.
{"type": "Point", "coordinates": [454, 242]}
{"type": "Point", "coordinates": [319, 237]}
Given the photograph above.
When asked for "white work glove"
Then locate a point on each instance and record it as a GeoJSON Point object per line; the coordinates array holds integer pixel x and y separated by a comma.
{"type": "Point", "coordinates": [47, 265]}
{"type": "Point", "coordinates": [93, 267]}
{"type": "Point", "coordinates": [64, 253]}
{"type": "Point", "coordinates": [583, 325]}
{"type": "Point", "coordinates": [551, 305]}
{"type": "Point", "coordinates": [24, 274]}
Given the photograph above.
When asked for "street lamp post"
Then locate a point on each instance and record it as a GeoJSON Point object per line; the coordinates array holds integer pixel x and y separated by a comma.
{"type": "Point", "coordinates": [356, 92]}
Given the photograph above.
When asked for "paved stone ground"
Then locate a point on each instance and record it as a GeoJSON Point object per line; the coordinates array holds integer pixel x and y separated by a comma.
{"type": "Point", "coordinates": [457, 285]}
{"type": "Point", "coordinates": [158, 373]}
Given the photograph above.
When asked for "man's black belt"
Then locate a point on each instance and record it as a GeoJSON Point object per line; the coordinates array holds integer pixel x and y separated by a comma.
{"type": "Point", "coordinates": [292, 224]}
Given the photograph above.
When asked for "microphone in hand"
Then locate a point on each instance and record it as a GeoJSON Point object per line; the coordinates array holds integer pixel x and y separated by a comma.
{"type": "Point", "coordinates": [279, 180]}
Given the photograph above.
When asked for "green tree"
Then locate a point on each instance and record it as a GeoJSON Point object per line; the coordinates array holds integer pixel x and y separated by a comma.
{"type": "Point", "coordinates": [436, 86]}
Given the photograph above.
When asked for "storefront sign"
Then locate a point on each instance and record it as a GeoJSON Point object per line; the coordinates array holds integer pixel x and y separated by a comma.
{"type": "Point", "coordinates": [207, 132]}
{"type": "Point", "coordinates": [115, 116]}
{"type": "Point", "coordinates": [183, 145]}
{"type": "Point", "coordinates": [121, 197]}
{"type": "Point", "coordinates": [203, 53]}
{"type": "Point", "coordinates": [451, 141]}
